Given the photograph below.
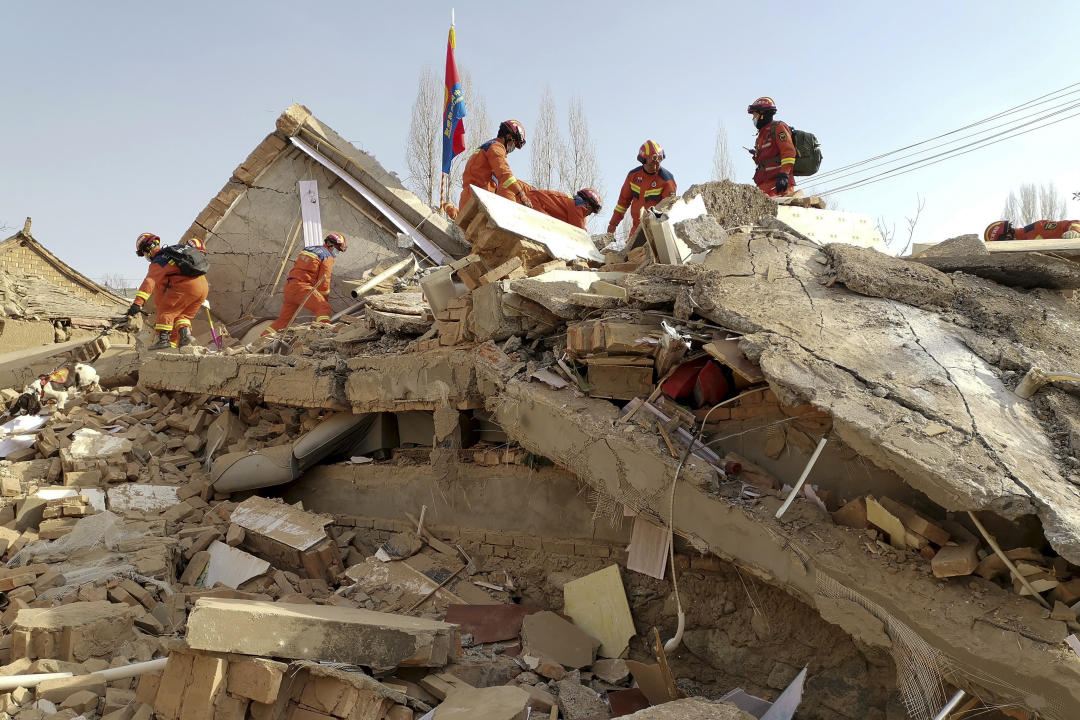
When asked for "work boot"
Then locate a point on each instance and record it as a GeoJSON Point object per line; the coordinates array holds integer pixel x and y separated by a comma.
{"type": "Point", "coordinates": [162, 341]}
{"type": "Point", "coordinates": [185, 336]}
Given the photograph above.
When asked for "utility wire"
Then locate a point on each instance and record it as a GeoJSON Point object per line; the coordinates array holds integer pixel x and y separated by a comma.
{"type": "Point", "coordinates": [1042, 99]}
{"type": "Point", "coordinates": [925, 162]}
{"type": "Point", "coordinates": [1015, 123]}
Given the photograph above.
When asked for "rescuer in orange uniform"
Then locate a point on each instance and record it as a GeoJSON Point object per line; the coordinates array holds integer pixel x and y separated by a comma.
{"type": "Point", "coordinates": [177, 296]}
{"type": "Point", "coordinates": [312, 269]}
{"type": "Point", "coordinates": [645, 186]}
{"type": "Point", "coordinates": [488, 169]}
{"type": "Point", "coordinates": [1039, 230]}
{"type": "Point", "coordinates": [774, 150]}
{"type": "Point", "coordinates": [572, 209]}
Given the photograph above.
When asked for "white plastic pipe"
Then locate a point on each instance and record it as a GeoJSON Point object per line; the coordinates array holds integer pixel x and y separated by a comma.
{"type": "Point", "coordinates": [118, 673]}
{"type": "Point", "coordinates": [133, 670]}
{"type": "Point", "coordinates": [802, 478]}
{"type": "Point", "coordinates": [28, 681]}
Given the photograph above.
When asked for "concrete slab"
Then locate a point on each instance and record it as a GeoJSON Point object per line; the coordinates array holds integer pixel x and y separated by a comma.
{"type": "Point", "coordinates": [315, 632]}
{"type": "Point", "coordinates": [1025, 270]}
{"type": "Point", "coordinates": [563, 241]}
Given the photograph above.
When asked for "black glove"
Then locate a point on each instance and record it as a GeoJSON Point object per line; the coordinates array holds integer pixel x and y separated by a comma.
{"type": "Point", "coordinates": [133, 310]}
{"type": "Point", "coordinates": [781, 182]}
{"type": "Point", "coordinates": [753, 153]}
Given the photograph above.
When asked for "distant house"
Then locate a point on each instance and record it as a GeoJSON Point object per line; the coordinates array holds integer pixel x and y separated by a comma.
{"type": "Point", "coordinates": [253, 228]}
{"type": "Point", "coordinates": [40, 294]}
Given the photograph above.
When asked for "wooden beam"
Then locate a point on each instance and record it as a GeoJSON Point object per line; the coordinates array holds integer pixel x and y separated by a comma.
{"type": "Point", "coordinates": [1033, 246]}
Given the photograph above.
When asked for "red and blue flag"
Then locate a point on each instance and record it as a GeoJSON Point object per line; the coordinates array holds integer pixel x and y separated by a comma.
{"type": "Point", "coordinates": [453, 109]}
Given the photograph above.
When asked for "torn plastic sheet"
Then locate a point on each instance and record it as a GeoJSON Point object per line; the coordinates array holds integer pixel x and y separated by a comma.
{"type": "Point", "coordinates": [16, 443]}
{"type": "Point", "coordinates": [22, 425]}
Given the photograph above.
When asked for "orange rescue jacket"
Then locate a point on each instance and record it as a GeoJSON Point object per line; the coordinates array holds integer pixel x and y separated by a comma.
{"type": "Point", "coordinates": [1046, 229]}
{"type": "Point", "coordinates": [560, 206]}
{"type": "Point", "coordinates": [314, 262]}
{"type": "Point", "coordinates": [162, 274]}
{"type": "Point", "coordinates": [641, 190]}
{"type": "Point", "coordinates": [774, 152]}
{"type": "Point", "coordinates": [488, 169]}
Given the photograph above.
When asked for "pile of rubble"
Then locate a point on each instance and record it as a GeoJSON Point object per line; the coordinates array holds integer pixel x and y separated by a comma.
{"type": "Point", "coordinates": [778, 455]}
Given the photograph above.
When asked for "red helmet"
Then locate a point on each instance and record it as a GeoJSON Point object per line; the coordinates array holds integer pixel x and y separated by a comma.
{"type": "Point", "coordinates": [337, 240]}
{"type": "Point", "coordinates": [196, 243]}
{"type": "Point", "coordinates": [996, 230]}
{"type": "Point", "coordinates": [144, 242]}
{"type": "Point", "coordinates": [515, 130]}
{"type": "Point", "coordinates": [763, 105]}
{"type": "Point", "coordinates": [590, 198]}
{"type": "Point", "coordinates": [648, 149]}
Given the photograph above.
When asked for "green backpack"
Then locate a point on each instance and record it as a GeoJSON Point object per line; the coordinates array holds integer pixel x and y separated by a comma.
{"type": "Point", "coordinates": [807, 151]}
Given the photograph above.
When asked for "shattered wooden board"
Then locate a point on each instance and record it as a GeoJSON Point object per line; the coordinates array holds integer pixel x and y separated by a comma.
{"type": "Point", "coordinates": [286, 524]}
{"type": "Point", "coordinates": [833, 226]}
{"type": "Point", "coordinates": [597, 603]}
{"type": "Point", "coordinates": [563, 241]}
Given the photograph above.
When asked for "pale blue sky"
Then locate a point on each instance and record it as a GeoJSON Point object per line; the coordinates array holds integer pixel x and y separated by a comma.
{"type": "Point", "coordinates": [125, 117]}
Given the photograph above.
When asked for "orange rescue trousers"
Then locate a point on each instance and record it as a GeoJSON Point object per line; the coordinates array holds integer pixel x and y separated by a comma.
{"type": "Point", "coordinates": [295, 292]}
{"type": "Point", "coordinates": [178, 302]}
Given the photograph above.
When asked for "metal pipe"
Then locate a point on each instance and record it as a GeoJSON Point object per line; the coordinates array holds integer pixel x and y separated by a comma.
{"type": "Point", "coordinates": [950, 706]}
{"type": "Point", "coordinates": [360, 290]}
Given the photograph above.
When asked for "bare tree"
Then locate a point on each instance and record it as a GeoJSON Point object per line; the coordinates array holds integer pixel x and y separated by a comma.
{"type": "Point", "coordinates": [547, 147]}
{"type": "Point", "coordinates": [1031, 202]}
{"type": "Point", "coordinates": [579, 168]}
{"type": "Point", "coordinates": [423, 149]}
{"type": "Point", "coordinates": [722, 166]}
{"type": "Point", "coordinates": [115, 281]}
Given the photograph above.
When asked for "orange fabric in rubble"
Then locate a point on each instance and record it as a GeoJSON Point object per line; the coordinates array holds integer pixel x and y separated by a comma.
{"type": "Point", "coordinates": [559, 205]}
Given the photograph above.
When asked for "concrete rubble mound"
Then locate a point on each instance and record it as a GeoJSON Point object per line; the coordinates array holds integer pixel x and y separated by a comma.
{"type": "Point", "coordinates": [724, 472]}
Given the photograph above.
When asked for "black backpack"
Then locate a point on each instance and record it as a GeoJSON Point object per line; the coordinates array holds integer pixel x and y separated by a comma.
{"type": "Point", "coordinates": [190, 261]}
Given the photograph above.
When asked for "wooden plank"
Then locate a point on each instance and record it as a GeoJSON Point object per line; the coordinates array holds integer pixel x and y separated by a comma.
{"type": "Point", "coordinates": [1002, 246]}
{"type": "Point", "coordinates": [726, 352]}
{"type": "Point", "coordinates": [648, 551]}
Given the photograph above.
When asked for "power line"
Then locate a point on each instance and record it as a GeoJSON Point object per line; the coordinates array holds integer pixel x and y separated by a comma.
{"type": "Point", "coordinates": [1015, 123]}
{"type": "Point", "coordinates": [1042, 99]}
{"type": "Point", "coordinates": [888, 175]}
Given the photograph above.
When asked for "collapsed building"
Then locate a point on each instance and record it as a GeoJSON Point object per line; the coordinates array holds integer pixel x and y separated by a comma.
{"type": "Point", "coordinates": [503, 480]}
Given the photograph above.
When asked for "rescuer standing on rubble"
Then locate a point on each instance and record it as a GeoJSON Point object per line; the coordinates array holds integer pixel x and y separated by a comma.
{"type": "Point", "coordinates": [178, 283]}
{"type": "Point", "coordinates": [309, 282]}
{"type": "Point", "coordinates": [1038, 230]}
{"type": "Point", "coordinates": [645, 186]}
{"type": "Point", "coordinates": [488, 169]}
{"type": "Point", "coordinates": [774, 150]}
{"type": "Point", "coordinates": [572, 209]}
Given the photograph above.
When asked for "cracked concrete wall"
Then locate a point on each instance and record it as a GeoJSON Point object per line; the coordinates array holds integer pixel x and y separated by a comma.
{"type": "Point", "coordinates": [902, 383]}
{"type": "Point", "coordinates": [485, 498]}
{"type": "Point", "coordinates": [247, 246]}
{"type": "Point", "coordinates": [970, 634]}
{"type": "Point", "coordinates": [382, 383]}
